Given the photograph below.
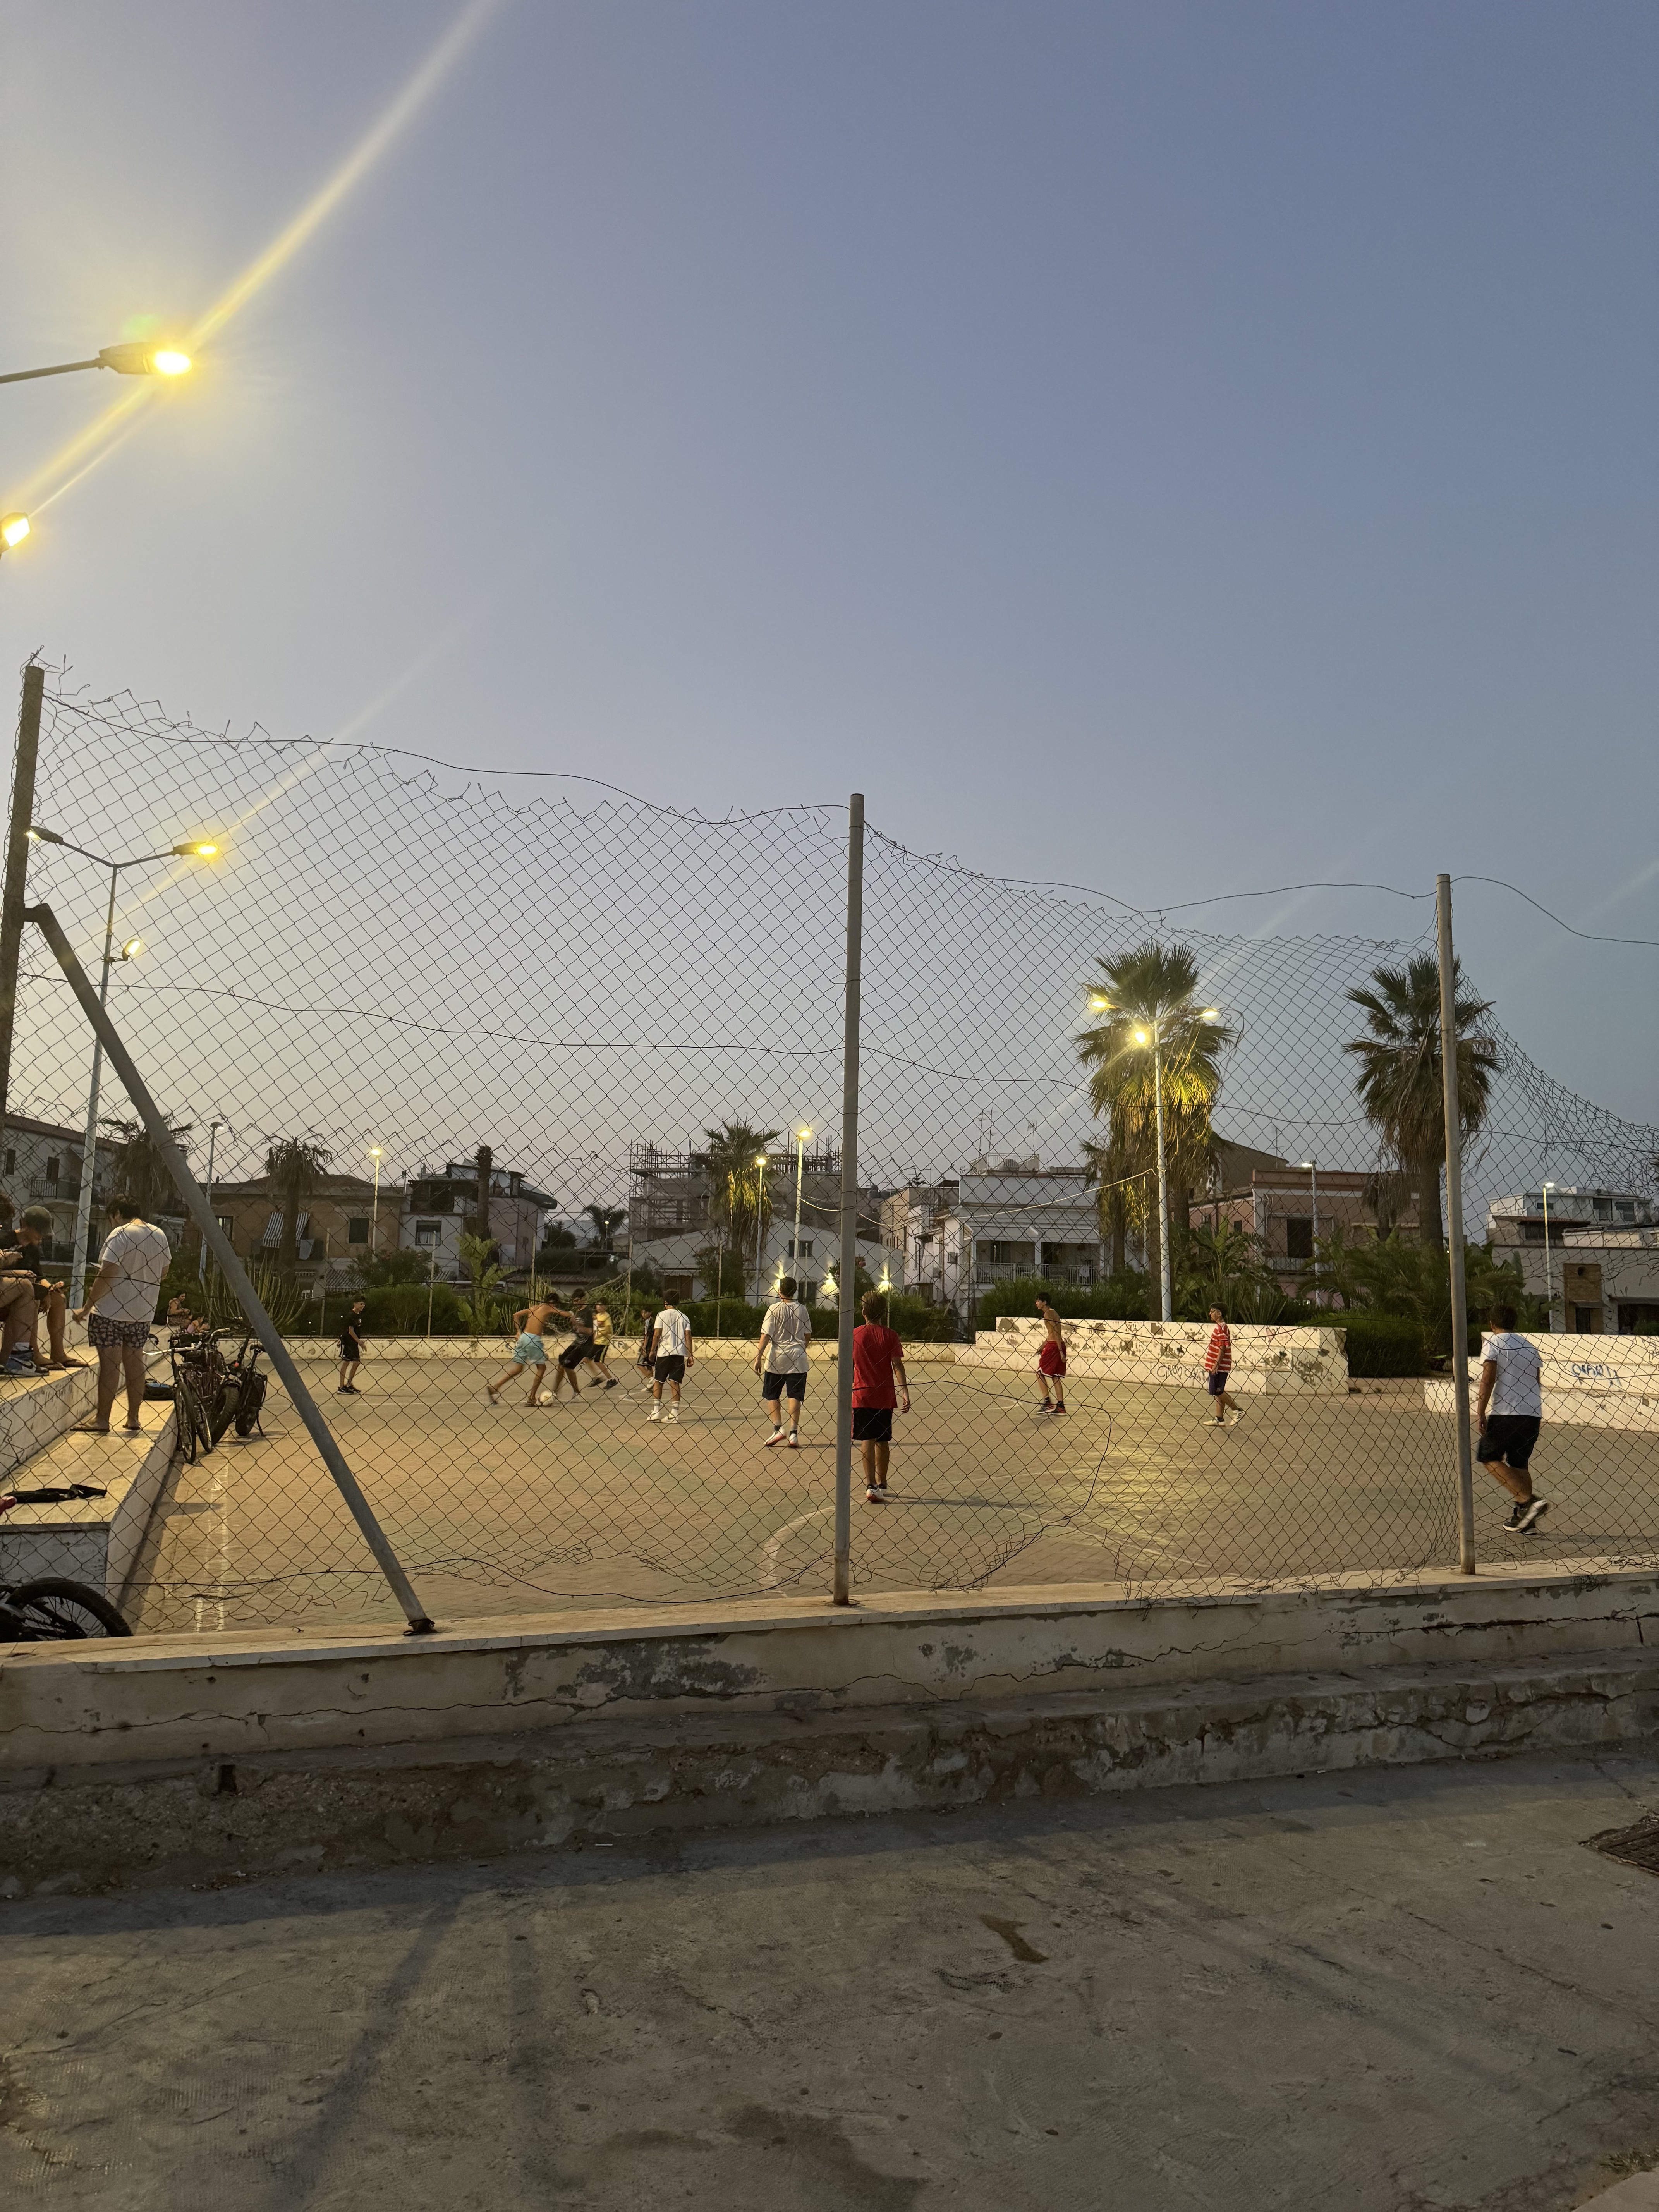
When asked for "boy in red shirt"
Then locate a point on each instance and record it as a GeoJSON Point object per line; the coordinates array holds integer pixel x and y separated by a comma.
{"type": "Point", "coordinates": [1218, 1367]}
{"type": "Point", "coordinates": [877, 1357]}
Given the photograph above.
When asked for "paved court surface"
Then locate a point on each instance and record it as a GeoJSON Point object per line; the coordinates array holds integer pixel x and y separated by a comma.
{"type": "Point", "coordinates": [1408, 1991]}
{"type": "Point", "coordinates": [500, 1507]}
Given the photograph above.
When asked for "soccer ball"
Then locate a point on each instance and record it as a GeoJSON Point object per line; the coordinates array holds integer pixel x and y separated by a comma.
{"type": "Point", "coordinates": [544, 1398]}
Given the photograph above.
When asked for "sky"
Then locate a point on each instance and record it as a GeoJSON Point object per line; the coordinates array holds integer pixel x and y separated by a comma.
{"type": "Point", "coordinates": [1181, 450]}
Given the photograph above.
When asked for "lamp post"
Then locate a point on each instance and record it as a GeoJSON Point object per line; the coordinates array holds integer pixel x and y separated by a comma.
{"type": "Point", "coordinates": [1312, 1166]}
{"type": "Point", "coordinates": [125, 360]}
{"type": "Point", "coordinates": [213, 1127]}
{"type": "Point", "coordinates": [129, 951]}
{"type": "Point", "coordinates": [760, 1227]}
{"type": "Point", "coordinates": [801, 1135]}
{"type": "Point", "coordinates": [1549, 1272]}
{"type": "Point", "coordinates": [1150, 1033]}
{"type": "Point", "coordinates": [375, 1210]}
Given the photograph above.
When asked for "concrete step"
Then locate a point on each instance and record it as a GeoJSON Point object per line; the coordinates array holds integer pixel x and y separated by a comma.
{"type": "Point", "coordinates": [335, 1806]}
{"type": "Point", "coordinates": [88, 1540]}
{"type": "Point", "coordinates": [35, 1411]}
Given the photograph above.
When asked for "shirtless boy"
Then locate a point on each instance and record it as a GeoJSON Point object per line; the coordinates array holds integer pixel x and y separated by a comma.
{"type": "Point", "coordinates": [529, 1352]}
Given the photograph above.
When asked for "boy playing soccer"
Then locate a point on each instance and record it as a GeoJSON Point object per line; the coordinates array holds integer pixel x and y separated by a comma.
{"type": "Point", "coordinates": [878, 1358]}
{"type": "Point", "coordinates": [1051, 1360]}
{"type": "Point", "coordinates": [1218, 1367]}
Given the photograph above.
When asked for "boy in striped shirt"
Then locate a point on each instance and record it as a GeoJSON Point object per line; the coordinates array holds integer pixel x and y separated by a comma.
{"type": "Point", "coordinates": [1218, 1367]}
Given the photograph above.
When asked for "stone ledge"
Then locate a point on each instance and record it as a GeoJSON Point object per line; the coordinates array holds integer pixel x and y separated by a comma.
{"type": "Point", "coordinates": [219, 1819]}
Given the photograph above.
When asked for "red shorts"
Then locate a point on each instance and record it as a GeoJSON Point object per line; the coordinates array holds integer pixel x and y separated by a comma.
{"type": "Point", "coordinates": [1051, 1360]}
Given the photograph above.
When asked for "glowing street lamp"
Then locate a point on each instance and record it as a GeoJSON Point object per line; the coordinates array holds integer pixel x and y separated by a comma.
{"type": "Point", "coordinates": [801, 1135]}
{"type": "Point", "coordinates": [217, 1123]}
{"type": "Point", "coordinates": [1152, 1034]}
{"type": "Point", "coordinates": [1549, 1272]}
{"type": "Point", "coordinates": [14, 529]}
{"type": "Point", "coordinates": [137, 360]}
{"type": "Point", "coordinates": [376, 1155]}
{"type": "Point", "coordinates": [198, 849]}
{"type": "Point", "coordinates": [760, 1222]}
{"type": "Point", "coordinates": [1312, 1170]}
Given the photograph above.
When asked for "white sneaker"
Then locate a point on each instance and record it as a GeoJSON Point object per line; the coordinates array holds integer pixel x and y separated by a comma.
{"type": "Point", "coordinates": [873, 1497]}
{"type": "Point", "coordinates": [776, 1438]}
{"type": "Point", "coordinates": [673, 1415]}
{"type": "Point", "coordinates": [794, 1441]}
{"type": "Point", "coordinates": [655, 1414]}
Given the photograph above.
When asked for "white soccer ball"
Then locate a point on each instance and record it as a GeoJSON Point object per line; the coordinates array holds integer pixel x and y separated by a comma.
{"type": "Point", "coordinates": [544, 1398]}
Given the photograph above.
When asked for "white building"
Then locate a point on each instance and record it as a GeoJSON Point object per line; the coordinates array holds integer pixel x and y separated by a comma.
{"type": "Point", "coordinates": [684, 1261]}
{"type": "Point", "coordinates": [1003, 1220]}
{"type": "Point", "coordinates": [1596, 1259]}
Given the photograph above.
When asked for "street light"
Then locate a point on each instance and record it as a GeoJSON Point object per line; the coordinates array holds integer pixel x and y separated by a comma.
{"type": "Point", "coordinates": [196, 850]}
{"type": "Point", "coordinates": [801, 1135]}
{"type": "Point", "coordinates": [760, 1224]}
{"type": "Point", "coordinates": [1312, 1167]}
{"type": "Point", "coordinates": [374, 1153]}
{"type": "Point", "coordinates": [1151, 1033]}
{"type": "Point", "coordinates": [217, 1123]}
{"type": "Point", "coordinates": [1549, 1273]}
{"type": "Point", "coordinates": [14, 529]}
{"type": "Point", "coordinates": [139, 360]}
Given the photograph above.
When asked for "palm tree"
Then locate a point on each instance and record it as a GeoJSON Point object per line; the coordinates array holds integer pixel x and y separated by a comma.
{"type": "Point", "coordinates": [1150, 995]}
{"type": "Point", "coordinates": [1401, 1072]}
{"type": "Point", "coordinates": [293, 1165]}
{"type": "Point", "coordinates": [606, 1220]}
{"type": "Point", "coordinates": [140, 1172]}
{"type": "Point", "coordinates": [739, 1195]}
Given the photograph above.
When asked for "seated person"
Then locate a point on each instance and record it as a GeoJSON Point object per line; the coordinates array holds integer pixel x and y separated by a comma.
{"type": "Point", "coordinates": [33, 1228]}
{"type": "Point", "coordinates": [17, 1307]}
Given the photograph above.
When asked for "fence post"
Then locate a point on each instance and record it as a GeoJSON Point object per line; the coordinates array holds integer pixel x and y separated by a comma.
{"type": "Point", "coordinates": [849, 1199]}
{"type": "Point", "coordinates": [17, 866]}
{"type": "Point", "coordinates": [219, 1244]}
{"type": "Point", "coordinates": [1460, 1310]}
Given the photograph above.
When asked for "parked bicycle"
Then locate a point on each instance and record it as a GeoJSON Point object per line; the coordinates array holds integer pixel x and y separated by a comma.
{"type": "Point", "coordinates": [212, 1394]}
{"type": "Point", "coordinates": [50, 1610]}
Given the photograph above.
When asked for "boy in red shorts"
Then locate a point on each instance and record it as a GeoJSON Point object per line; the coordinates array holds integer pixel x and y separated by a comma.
{"type": "Point", "coordinates": [1051, 1360]}
{"type": "Point", "coordinates": [877, 1358]}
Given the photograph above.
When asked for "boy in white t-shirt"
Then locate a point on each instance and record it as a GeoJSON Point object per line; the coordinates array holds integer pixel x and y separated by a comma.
{"type": "Point", "coordinates": [670, 1349]}
{"type": "Point", "coordinates": [1509, 1410]}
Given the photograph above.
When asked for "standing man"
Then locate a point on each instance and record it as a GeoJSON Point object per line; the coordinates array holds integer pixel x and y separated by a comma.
{"type": "Point", "coordinates": [1218, 1367]}
{"type": "Point", "coordinates": [781, 1356]}
{"type": "Point", "coordinates": [1051, 1360]}
{"type": "Point", "coordinates": [120, 1309]}
{"type": "Point", "coordinates": [642, 1357]}
{"type": "Point", "coordinates": [1509, 1411]}
{"type": "Point", "coordinates": [670, 1359]}
{"type": "Point", "coordinates": [878, 1358]}
{"type": "Point", "coordinates": [33, 1227]}
{"type": "Point", "coordinates": [351, 1346]}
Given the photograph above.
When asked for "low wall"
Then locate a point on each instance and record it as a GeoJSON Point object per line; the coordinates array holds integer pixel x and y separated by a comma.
{"type": "Point", "coordinates": [1595, 1382]}
{"type": "Point", "coordinates": [325, 1350]}
{"type": "Point", "coordinates": [219, 1755]}
{"type": "Point", "coordinates": [1265, 1358]}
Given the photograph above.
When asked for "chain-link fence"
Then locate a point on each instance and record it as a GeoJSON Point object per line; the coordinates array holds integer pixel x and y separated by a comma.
{"type": "Point", "coordinates": [541, 1097]}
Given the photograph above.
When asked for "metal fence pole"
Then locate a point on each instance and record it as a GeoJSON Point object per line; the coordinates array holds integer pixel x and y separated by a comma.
{"type": "Point", "coordinates": [17, 866]}
{"type": "Point", "coordinates": [305, 1405]}
{"type": "Point", "coordinates": [849, 1199]}
{"type": "Point", "coordinates": [1460, 1310]}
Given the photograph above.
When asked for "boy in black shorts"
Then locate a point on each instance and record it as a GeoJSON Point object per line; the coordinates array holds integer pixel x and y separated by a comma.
{"type": "Point", "coordinates": [579, 1350]}
{"type": "Point", "coordinates": [1509, 1411]}
{"type": "Point", "coordinates": [877, 1362]}
{"type": "Point", "coordinates": [351, 1347]}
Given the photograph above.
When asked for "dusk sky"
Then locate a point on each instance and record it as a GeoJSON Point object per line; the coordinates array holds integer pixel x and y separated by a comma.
{"type": "Point", "coordinates": [1179, 449]}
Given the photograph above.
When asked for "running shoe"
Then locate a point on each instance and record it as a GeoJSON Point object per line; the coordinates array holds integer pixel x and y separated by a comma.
{"type": "Point", "coordinates": [875, 1498]}
{"type": "Point", "coordinates": [1536, 1509]}
{"type": "Point", "coordinates": [776, 1438]}
{"type": "Point", "coordinates": [655, 1414]}
{"type": "Point", "coordinates": [794, 1441]}
{"type": "Point", "coordinates": [1517, 1515]}
{"type": "Point", "coordinates": [1233, 1419]}
{"type": "Point", "coordinates": [611, 1384]}
{"type": "Point", "coordinates": [673, 1415]}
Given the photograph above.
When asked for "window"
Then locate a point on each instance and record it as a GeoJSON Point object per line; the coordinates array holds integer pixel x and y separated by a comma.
{"type": "Point", "coordinates": [801, 1251]}
{"type": "Point", "coordinates": [1299, 1236]}
{"type": "Point", "coordinates": [1532, 1233]}
{"type": "Point", "coordinates": [1587, 1320]}
{"type": "Point", "coordinates": [997, 1255]}
{"type": "Point", "coordinates": [356, 1232]}
{"type": "Point", "coordinates": [427, 1234]}
{"type": "Point", "coordinates": [225, 1225]}
{"type": "Point", "coordinates": [53, 1164]}
{"type": "Point", "coordinates": [11, 1162]}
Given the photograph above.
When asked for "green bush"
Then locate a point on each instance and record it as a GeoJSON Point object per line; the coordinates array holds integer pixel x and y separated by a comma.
{"type": "Point", "coordinates": [400, 1310]}
{"type": "Point", "coordinates": [1121, 1297]}
{"type": "Point", "coordinates": [1381, 1343]}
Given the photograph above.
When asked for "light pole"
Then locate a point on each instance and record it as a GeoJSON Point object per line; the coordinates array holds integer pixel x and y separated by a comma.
{"type": "Point", "coordinates": [213, 1127]}
{"type": "Point", "coordinates": [1549, 1272]}
{"type": "Point", "coordinates": [1312, 1166]}
{"type": "Point", "coordinates": [125, 360]}
{"type": "Point", "coordinates": [801, 1135]}
{"type": "Point", "coordinates": [1150, 1032]}
{"type": "Point", "coordinates": [129, 951]}
{"type": "Point", "coordinates": [375, 1213]}
{"type": "Point", "coordinates": [760, 1227]}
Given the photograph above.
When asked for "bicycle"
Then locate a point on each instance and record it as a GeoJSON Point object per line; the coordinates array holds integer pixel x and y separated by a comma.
{"type": "Point", "coordinates": [51, 1610]}
{"type": "Point", "coordinates": [211, 1394]}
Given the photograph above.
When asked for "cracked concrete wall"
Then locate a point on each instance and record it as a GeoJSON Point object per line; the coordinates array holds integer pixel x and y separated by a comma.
{"type": "Point", "coordinates": [334, 1808]}
{"type": "Point", "coordinates": [229, 1697]}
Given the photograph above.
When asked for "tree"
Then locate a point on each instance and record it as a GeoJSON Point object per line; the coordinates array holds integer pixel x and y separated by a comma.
{"type": "Point", "coordinates": [483, 1164]}
{"type": "Point", "coordinates": [293, 1165]}
{"type": "Point", "coordinates": [606, 1220]}
{"type": "Point", "coordinates": [385, 1271]}
{"type": "Point", "coordinates": [1401, 1072]}
{"type": "Point", "coordinates": [1151, 991]}
{"type": "Point", "coordinates": [739, 1195]}
{"type": "Point", "coordinates": [477, 1257]}
{"type": "Point", "coordinates": [138, 1170]}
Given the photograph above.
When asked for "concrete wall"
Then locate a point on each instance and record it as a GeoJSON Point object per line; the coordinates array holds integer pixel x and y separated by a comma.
{"type": "Point", "coordinates": [1264, 1358]}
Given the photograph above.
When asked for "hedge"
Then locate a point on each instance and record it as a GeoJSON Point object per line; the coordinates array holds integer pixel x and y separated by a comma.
{"type": "Point", "coordinates": [1381, 1343]}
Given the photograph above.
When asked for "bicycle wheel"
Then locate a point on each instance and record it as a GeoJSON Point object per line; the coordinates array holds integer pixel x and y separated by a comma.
{"type": "Point", "coordinates": [65, 1612]}
{"type": "Point", "coordinates": [251, 1398]}
{"type": "Point", "coordinates": [194, 1436]}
